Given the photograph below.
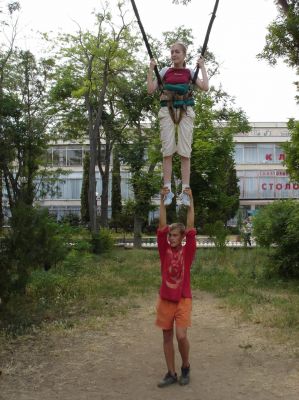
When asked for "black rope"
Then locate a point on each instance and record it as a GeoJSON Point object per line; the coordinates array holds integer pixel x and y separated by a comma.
{"type": "Point", "coordinates": [205, 44]}
{"type": "Point", "coordinates": [146, 42]}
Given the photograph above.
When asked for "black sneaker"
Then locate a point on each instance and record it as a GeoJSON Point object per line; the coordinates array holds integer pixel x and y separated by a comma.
{"type": "Point", "coordinates": [168, 379]}
{"type": "Point", "coordinates": [185, 376]}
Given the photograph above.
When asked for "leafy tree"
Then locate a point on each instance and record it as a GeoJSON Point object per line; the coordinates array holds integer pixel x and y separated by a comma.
{"type": "Point", "coordinates": [140, 151]}
{"type": "Point", "coordinates": [213, 177]}
{"type": "Point", "coordinates": [291, 149]}
{"type": "Point", "coordinates": [282, 40]}
{"type": "Point", "coordinates": [277, 225]}
{"type": "Point", "coordinates": [23, 139]}
{"type": "Point", "coordinates": [92, 65]}
{"type": "Point", "coordinates": [126, 221]}
{"type": "Point", "coordinates": [145, 180]}
{"type": "Point", "coordinates": [34, 241]}
{"type": "Point", "coordinates": [5, 54]}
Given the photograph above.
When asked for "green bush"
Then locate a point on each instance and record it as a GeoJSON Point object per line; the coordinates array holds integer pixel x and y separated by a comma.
{"type": "Point", "coordinates": [217, 232]}
{"type": "Point", "coordinates": [102, 242]}
{"type": "Point", "coordinates": [34, 240]}
{"type": "Point", "coordinates": [277, 225]}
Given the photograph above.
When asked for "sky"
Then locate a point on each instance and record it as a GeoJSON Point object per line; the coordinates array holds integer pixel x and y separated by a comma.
{"type": "Point", "coordinates": [265, 93]}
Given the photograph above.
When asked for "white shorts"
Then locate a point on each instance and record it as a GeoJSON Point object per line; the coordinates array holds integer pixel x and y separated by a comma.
{"type": "Point", "coordinates": [185, 132]}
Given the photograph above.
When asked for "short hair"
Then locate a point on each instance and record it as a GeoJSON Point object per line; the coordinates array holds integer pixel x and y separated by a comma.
{"type": "Point", "coordinates": [179, 226]}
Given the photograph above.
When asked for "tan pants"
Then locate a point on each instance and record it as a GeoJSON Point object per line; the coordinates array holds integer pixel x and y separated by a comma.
{"type": "Point", "coordinates": [185, 132]}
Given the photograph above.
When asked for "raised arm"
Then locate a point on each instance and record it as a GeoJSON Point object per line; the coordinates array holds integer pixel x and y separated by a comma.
{"type": "Point", "coordinates": [163, 216]}
{"type": "Point", "coordinates": [203, 83]}
{"type": "Point", "coordinates": [190, 212]}
{"type": "Point", "coordinates": [152, 84]}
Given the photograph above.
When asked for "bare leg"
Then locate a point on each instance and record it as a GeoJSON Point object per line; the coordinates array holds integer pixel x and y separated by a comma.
{"type": "Point", "coordinates": [185, 171]}
{"type": "Point", "coordinates": [183, 344]}
{"type": "Point", "coordinates": [167, 169]}
{"type": "Point", "coordinates": [169, 350]}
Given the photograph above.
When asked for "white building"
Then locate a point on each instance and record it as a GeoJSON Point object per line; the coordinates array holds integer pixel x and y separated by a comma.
{"type": "Point", "coordinates": [258, 158]}
{"type": "Point", "coordinates": [259, 163]}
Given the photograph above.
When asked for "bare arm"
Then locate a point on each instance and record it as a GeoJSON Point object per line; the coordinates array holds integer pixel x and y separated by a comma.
{"type": "Point", "coordinates": [152, 84]}
{"type": "Point", "coordinates": [190, 212]}
{"type": "Point", "coordinates": [203, 83]}
{"type": "Point", "coordinates": [162, 216]}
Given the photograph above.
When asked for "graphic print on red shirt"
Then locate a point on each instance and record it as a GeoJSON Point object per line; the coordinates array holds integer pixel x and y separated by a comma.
{"type": "Point", "coordinates": [175, 271]}
{"type": "Point", "coordinates": [176, 265]}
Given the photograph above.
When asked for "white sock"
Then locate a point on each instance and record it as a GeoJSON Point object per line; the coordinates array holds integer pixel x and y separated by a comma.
{"type": "Point", "coordinates": [184, 186]}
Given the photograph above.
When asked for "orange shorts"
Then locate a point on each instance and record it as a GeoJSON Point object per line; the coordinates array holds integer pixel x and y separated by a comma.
{"type": "Point", "coordinates": [168, 312]}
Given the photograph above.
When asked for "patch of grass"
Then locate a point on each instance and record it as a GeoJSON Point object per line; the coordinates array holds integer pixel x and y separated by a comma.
{"type": "Point", "coordinates": [88, 289]}
{"type": "Point", "coordinates": [84, 285]}
{"type": "Point", "coordinates": [240, 277]}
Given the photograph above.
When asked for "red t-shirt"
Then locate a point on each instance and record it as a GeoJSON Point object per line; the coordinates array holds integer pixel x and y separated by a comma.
{"type": "Point", "coordinates": [176, 265]}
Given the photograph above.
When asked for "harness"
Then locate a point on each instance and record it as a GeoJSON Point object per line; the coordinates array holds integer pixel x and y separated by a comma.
{"type": "Point", "coordinates": [176, 97]}
{"type": "Point", "coordinates": [169, 103]}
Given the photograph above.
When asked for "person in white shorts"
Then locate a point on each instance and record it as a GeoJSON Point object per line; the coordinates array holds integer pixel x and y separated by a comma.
{"type": "Point", "coordinates": [177, 113]}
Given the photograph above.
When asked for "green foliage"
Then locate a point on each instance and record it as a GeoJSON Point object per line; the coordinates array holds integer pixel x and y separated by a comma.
{"type": "Point", "coordinates": [102, 242]}
{"type": "Point", "coordinates": [126, 218]}
{"type": "Point", "coordinates": [34, 241]}
{"type": "Point", "coordinates": [282, 40]}
{"type": "Point", "coordinates": [241, 278]}
{"type": "Point", "coordinates": [70, 219]}
{"type": "Point", "coordinates": [217, 232]}
{"type": "Point", "coordinates": [24, 118]}
{"type": "Point", "coordinates": [291, 149]}
{"type": "Point", "coordinates": [277, 225]}
{"type": "Point", "coordinates": [85, 285]}
{"type": "Point", "coordinates": [213, 177]}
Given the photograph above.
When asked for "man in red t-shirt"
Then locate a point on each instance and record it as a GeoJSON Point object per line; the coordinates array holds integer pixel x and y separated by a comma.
{"type": "Point", "coordinates": [175, 299]}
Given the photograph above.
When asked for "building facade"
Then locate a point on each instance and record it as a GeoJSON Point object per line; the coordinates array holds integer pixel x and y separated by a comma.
{"type": "Point", "coordinates": [258, 159]}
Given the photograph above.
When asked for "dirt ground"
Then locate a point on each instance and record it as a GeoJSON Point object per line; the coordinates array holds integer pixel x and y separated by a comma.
{"type": "Point", "coordinates": [230, 360]}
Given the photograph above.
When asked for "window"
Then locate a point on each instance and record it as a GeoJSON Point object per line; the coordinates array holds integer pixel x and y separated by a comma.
{"type": "Point", "coordinates": [250, 153]}
{"type": "Point", "coordinates": [239, 154]}
{"type": "Point", "coordinates": [59, 157]}
{"type": "Point", "coordinates": [266, 153]}
{"type": "Point", "coordinates": [74, 157]}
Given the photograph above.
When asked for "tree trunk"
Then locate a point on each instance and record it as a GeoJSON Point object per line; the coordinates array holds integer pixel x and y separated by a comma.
{"type": "Point", "coordinates": [116, 203]}
{"type": "Point", "coordinates": [137, 231]}
{"type": "Point", "coordinates": [84, 191]}
{"type": "Point", "coordinates": [92, 206]}
{"type": "Point", "coordinates": [104, 199]}
{"type": "Point", "coordinates": [105, 180]}
{"type": "Point", "coordinates": [1, 200]}
{"type": "Point", "coordinates": [94, 128]}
